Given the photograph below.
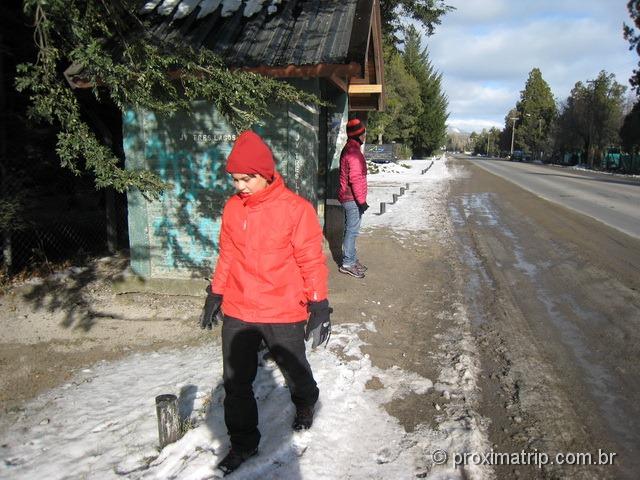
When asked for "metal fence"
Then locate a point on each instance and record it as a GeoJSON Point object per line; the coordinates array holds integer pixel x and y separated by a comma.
{"type": "Point", "coordinates": [55, 240]}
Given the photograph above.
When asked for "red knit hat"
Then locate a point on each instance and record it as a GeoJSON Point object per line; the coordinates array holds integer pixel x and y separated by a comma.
{"type": "Point", "coordinates": [355, 128]}
{"type": "Point", "coordinates": [251, 155]}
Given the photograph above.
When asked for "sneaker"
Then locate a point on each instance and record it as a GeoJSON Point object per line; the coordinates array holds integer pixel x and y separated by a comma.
{"type": "Point", "coordinates": [234, 459]}
{"type": "Point", "coordinates": [304, 418]}
{"type": "Point", "coordinates": [351, 270]}
{"type": "Point", "coordinates": [361, 267]}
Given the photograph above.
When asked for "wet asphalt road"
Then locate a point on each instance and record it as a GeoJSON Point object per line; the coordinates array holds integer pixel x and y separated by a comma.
{"type": "Point", "coordinates": [613, 200]}
{"type": "Point", "coordinates": [556, 295]}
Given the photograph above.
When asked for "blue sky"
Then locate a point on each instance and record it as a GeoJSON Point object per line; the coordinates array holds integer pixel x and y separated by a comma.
{"type": "Point", "coordinates": [486, 49]}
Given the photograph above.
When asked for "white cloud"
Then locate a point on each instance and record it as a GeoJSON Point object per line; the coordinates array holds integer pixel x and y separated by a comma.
{"type": "Point", "coordinates": [486, 49]}
{"type": "Point", "coordinates": [473, 124]}
{"type": "Point", "coordinates": [480, 101]}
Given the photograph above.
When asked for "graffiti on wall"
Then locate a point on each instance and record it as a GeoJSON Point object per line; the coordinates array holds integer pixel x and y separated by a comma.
{"type": "Point", "coordinates": [182, 226]}
{"type": "Point", "coordinates": [177, 235]}
{"type": "Point", "coordinates": [208, 137]}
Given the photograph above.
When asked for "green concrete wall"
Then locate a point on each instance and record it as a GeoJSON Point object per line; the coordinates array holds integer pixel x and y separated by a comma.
{"type": "Point", "coordinates": [337, 117]}
{"type": "Point", "coordinates": [177, 235]}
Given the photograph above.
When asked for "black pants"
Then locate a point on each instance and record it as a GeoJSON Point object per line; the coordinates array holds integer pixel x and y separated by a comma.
{"type": "Point", "coordinates": [240, 343]}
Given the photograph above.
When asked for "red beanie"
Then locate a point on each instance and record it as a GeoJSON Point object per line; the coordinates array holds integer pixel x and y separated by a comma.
{"type": "Point", "coordinates": [251, 155]}
{"type": "Point", "coordinates": [355, 128]}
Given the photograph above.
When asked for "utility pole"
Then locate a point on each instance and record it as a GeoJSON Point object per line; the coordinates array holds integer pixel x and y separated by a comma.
{"type": "Point", "coordinates": [513, 132]}
{"type": "Point", "coordinates": [540, 136]}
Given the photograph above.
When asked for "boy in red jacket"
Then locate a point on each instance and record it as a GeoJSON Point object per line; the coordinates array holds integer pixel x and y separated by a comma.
{"type": "Point", "coordinates": [352, 194]}
{"type": "Point", "coordinates": [270, 278]}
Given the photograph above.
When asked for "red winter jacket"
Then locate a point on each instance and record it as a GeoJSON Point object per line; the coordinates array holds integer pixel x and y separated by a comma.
{"type": "Point", "coordinates": [271, 261]}
{"type": "Point", "coordinates": [353, 173]}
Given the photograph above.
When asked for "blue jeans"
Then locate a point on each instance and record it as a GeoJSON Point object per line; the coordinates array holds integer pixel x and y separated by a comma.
{"type": "Point", "coordinates": [352, 218]}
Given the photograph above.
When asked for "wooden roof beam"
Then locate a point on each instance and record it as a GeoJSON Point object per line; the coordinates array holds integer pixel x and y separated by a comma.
{"type": "Point", "coordinates": [355, 89]}
{"type": "Point", "coordinates": [299, 71]}
{"type": "Point", "coordinates": [339, 82]}
{"type": "Point", "coordinates": [328, 70]}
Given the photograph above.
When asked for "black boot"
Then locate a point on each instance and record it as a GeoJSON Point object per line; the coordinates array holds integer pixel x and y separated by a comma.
{"type": "Point", "coordinates": [234, 459]}
{"type": "Point", "coordinates": [304, 418]}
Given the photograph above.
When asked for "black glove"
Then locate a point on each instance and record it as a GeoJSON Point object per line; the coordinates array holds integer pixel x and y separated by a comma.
{"type": "Point", "coordinates": [211, 312]}
{"type": "Point", "coordinates": [363, 207]}
{"type": "Point", "coordinates": [319, 324]}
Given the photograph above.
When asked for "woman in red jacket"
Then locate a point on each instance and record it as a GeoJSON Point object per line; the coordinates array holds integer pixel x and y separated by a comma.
{"type": "Point", "coordinates": [270, 277]}
{"type": "Point", "coordinates": [352, 194]}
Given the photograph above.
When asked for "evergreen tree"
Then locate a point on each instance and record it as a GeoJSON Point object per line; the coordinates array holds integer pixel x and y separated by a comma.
{"type": "Point", "coordinates": [630, 132]}
{"type": "Point", "coordinates": [431, 129]}
{"type": "Point", "coordinates": [108, 42]}
{"type": "Point", "coordinates": [415, 57]}
{"type": "Point", "coordinates": [397, 123]}
{"type": "Point", "coordinates": [493, 142]}
{"type": "Point", "coordinates": [633, 37]}
{"type": "Point", "coordinates": [536, 112]}
{"type": "Point", "coordinates": [426, 12]}
{"type": "Point", "coordinates": [486, 142]}
{"type": "Point", "coordinates": [473, 140]}
{"type": "Point", "coordinates": [592, 116]}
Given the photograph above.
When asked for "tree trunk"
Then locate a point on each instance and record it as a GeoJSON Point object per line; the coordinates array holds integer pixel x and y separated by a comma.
{"type": "Point", "coordinates": [588, 151]}
{"type": "Point", "coordinates": [112, 222]}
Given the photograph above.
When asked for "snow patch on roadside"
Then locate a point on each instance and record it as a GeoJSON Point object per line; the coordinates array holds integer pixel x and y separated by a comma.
{"type": "Point", "coordinates": [464, 427]}
{"type": "Point", "coordinates": [418, 209]}
{"type": "Point", "coordinates": [460, 428]}
{"type": "Point", "coordinates": [103, 423]}
{"type": "Point", "coordinates": [585, 168]}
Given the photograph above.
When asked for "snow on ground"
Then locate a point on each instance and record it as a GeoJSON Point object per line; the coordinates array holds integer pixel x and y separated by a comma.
{"type": "Point", "coordinates": [419, 209]}
{"type": "Point", "coordinates": [103, 424]}
{"type": "Point", "coordinates": [585, 168]}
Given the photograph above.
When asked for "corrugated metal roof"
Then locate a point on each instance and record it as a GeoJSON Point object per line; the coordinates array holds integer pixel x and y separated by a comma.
{"type": "Point", "coordinates": [273, 33]}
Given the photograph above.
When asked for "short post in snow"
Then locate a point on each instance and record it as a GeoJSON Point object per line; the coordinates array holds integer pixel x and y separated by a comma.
{"type": "Point", "coordinates": [395, 197]}
{"type": "Point", "coordinates": [401, 191]}
{"type": "Point", "coordinates": [407, 188]}
{"type": "Point", "coordinates": [168, 419]}
{"type": "Point", "coordinates": [383, 207]}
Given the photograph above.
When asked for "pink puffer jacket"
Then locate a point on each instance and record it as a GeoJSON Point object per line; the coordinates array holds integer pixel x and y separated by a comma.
{"type": "Point", "coordinates": [353, 174]}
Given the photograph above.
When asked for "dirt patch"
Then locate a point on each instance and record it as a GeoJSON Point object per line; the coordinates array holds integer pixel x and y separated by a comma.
{"type": "Point", "coordinates": [415, 410]}
{"type": "Point", "coordinates": [399, 302]}
{"type": "Point", "coordinates": [51, 328]}
{"type": "Point", "coordinates": [374, 383]}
